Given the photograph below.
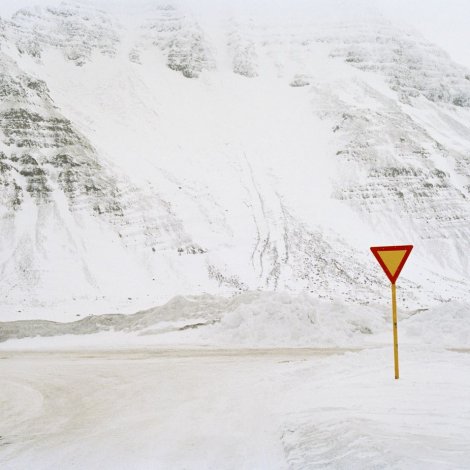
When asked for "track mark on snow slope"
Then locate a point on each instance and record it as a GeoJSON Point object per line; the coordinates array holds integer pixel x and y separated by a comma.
{"type": "Point", "coordinates": [267, 240]}
{"type": "Point", "coordinates": [261, 211]}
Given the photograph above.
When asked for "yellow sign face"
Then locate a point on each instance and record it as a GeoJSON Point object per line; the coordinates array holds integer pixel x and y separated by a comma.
{"type": "Point", "coordinates": [392, 259]}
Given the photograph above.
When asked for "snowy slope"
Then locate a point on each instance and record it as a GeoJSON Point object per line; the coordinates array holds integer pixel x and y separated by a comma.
{"type": "Point", "coordinates": [168, 149]}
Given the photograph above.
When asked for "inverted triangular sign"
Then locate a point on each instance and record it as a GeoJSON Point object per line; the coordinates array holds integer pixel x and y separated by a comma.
{"type": "Point", "coordinates": [392, 259]}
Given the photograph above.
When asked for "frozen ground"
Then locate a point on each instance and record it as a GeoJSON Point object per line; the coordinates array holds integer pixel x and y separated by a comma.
{"type": "Point", "coordinates": [235, 409]}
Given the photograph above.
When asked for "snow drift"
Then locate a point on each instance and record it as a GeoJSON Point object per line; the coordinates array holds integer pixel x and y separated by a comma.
{"type": "Point", "coordinates": [248, 320]}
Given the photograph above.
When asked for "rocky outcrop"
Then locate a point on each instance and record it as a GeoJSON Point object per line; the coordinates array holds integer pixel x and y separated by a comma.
{"type": "Point", "coordinates": [179, 38]}
{"type": "Point", "coordinates": [76, 30]}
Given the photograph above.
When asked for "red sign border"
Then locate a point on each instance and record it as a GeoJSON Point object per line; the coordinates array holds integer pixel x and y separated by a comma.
{"type": "Point", "coordinates": [376, 249]}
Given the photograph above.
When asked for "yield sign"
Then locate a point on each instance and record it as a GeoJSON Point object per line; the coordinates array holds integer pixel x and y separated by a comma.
{"type": "Point", "coordinates": [392, 259]}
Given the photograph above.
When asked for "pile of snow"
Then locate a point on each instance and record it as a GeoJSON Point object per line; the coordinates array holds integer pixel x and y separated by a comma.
{"type": "Point", "coordinates": [445, 325]}
{"type": "Point", "coordinates": [281, 319]}
{"type": "Point", "coordinates": [252, 319]}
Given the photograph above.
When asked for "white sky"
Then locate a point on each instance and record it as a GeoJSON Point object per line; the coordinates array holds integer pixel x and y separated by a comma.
{"type": "Point", "coordinates": [444, 22]}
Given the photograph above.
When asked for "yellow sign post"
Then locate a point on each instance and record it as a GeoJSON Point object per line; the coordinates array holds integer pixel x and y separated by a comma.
{"type": "Point", "coordinates": [395, 330]}
{"type": "Point", "coordinates": [392, 259]}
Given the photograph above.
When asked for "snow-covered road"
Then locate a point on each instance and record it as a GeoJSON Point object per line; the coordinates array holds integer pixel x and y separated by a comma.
{"type": "Point", "coordinates": [233, 409]}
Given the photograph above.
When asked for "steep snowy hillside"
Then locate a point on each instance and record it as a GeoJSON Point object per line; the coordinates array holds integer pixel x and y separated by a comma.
{"type": "Point", "coordinates": [162, 150]}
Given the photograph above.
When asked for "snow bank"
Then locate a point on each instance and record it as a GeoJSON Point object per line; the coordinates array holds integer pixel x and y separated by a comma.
{"type": "Point", "coordinates": [280, 319]}
{"type": "Point", "coordinates": [446, 325]}
{"type": "Point", "coordinates": [248, 320]}
{"type": "Point", "coordinates": [251, 319]}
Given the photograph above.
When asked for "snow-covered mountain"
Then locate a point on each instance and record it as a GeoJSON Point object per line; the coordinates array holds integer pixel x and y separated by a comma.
{"type": "Point", "coordinates": [164, 149]}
